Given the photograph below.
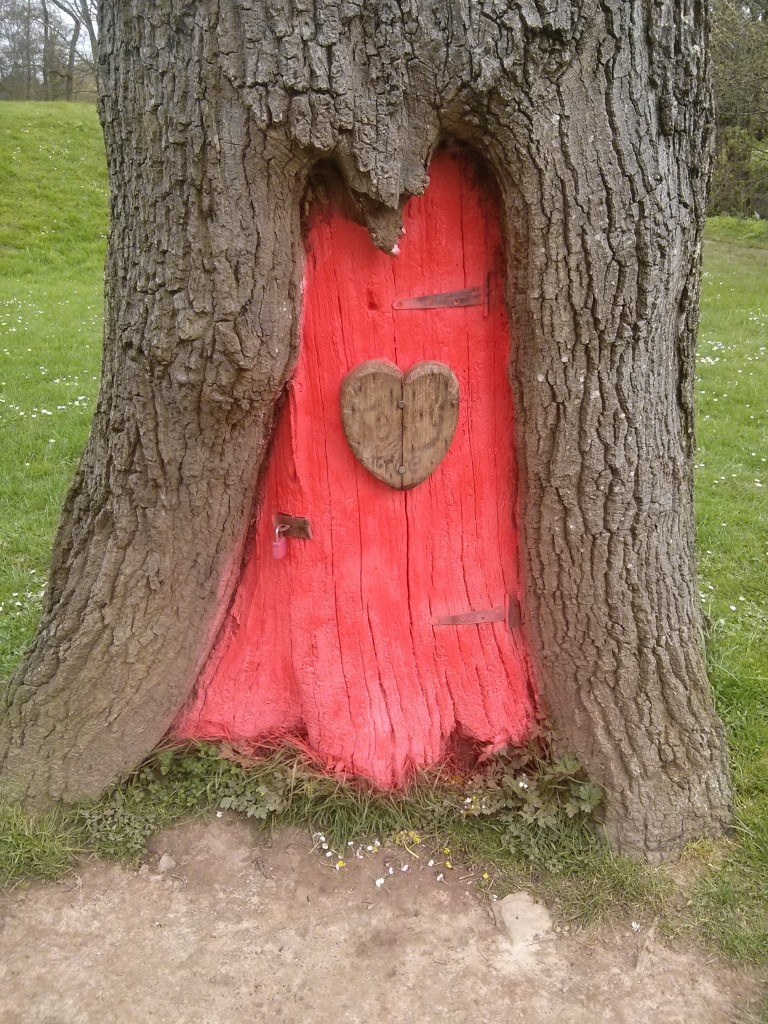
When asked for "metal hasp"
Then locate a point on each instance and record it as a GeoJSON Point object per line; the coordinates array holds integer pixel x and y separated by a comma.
{"type": "Point", "coordinates": [292, 527]}
{"type": "Point", "coordinates": [443, 300]}
{"type": "Point", "coordinates": [510, 615]}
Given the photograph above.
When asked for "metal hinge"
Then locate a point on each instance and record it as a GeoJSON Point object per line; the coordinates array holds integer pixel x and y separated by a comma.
{"type": "Point", "coordinates": [443, 300]}
{"type": "Point", "coordinates": [510, 615]}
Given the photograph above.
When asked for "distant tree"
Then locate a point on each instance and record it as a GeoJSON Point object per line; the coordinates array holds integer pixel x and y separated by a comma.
{"type": "Point", "coordinates": [49, 58]}
{"type": "Point", "coordinates": [72, 52]}
{"type": "Point", "coordinates": [43, 48]}
{"type": "Point", "coordinates": [83, 14]}
{"type": "Point", "coordinates": [21, 49]}
{"type": "Point", "coordinates": [739, 48]}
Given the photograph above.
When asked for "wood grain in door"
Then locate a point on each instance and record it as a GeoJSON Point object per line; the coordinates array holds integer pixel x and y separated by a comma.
{"type": "Point", "coordinates": [337, 643]}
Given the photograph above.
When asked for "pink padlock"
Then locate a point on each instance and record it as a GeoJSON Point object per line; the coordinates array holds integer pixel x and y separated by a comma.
{"type": "Point", "coordinates": [280, 543]}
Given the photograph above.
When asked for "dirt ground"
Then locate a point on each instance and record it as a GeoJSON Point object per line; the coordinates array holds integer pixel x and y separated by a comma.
{"type": "Point", "coordinates": [231, 926]}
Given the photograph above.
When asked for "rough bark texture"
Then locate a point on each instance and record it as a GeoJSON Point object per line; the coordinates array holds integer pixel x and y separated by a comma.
{"type": "Point", "coordinates": [594, 115]}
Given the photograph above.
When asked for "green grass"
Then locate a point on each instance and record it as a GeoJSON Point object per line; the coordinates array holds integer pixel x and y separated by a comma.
{"type": "Point", "coordinates": [43, 846]}
{"type": "Point", "coordinates": [52, 233]}
{"type": "Point", "coordinates": [738, 231]}
{"type": "Point", "coordinates": [731, 900]}
{"type": "Point", "coordinates": [53, 220]}
{"type": "Point", "coordinates": [53, 191]}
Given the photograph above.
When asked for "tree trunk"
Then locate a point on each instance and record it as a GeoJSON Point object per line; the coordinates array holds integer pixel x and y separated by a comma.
{"type": "Point", "coordinates": [594, 116]}
{"type": "Point", "coordinates": [71, 58]}
{"type": "Point", "coordinates": [48, 51]}
{"type": "Point", "coordinates": [87, 11]}
{"type": "Point", "coordinates": [29, 60]}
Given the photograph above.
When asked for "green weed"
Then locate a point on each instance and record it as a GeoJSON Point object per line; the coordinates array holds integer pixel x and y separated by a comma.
{"type": "Point", "coordinates": [37, 846]}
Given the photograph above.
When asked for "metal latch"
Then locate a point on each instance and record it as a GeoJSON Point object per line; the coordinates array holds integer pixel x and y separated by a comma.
{"type": "Point", "coordinates": [292, 527]}
{"type": "Point", "coordinates": [510, 615]}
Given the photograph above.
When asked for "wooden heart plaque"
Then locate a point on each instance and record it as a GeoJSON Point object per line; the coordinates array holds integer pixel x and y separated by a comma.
{"type": "Point", "coordinates": [400, 426]}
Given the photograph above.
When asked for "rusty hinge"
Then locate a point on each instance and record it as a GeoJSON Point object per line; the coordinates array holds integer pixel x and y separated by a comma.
{"type": "Point", "coordinates": [293, 527]}
{"type": "Point", "coordinates": [443, 300]}
{"type": "Point", "coordinates": [472, 618]}
{"type": "Point", "coordinates": [510, 615]}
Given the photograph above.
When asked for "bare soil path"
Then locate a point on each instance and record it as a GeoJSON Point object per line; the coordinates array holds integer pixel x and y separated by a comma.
{"type": "Point", "coordinates": [244, 928]}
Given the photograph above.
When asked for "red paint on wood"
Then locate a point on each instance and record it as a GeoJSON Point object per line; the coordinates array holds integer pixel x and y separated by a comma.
{"type": "Point", "coordinates": [335, 642]}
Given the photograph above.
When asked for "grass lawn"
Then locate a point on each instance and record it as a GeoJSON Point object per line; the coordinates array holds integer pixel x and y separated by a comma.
{"type": "Point", "coordinates": [732, 541]}
{"type": "Point", "coordinates": [53, 205]}
{"type": "Point", "coordinates": [53, 223]}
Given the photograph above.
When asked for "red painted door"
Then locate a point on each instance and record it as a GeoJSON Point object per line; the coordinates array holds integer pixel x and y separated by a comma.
{"type": "Point", "coordinates": [338, 642]}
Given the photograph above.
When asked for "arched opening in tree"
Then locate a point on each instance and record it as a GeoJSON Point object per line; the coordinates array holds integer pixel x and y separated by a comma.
{"type": "Point", "coordinates": [395, 628]}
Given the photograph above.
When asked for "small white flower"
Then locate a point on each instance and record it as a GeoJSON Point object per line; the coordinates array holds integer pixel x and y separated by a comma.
{"type": "Point", "coordinates": [430, 863]}
{"type": "Point", "coordinates": [441, 877]}
{"type": "Point", "coordinates": [405, 867]}
{"type": "Point", "coordinates": [635, 926]}
{"type": "Point", "coordinates": [380, 882]}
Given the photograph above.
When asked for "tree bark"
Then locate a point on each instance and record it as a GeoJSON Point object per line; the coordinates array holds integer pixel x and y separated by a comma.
{"type": "Point", "coordinates": [594, 116]}
{"type": "Point", "coordinates": [47, 62]}
{"type": "Point", "coordinates": [72, 13]}
{"type": "Point", "coordinates": [29, 70]}
{"type": "Point", "coordinates": [87, 14]}
{"type": "Point", "coordinates": [71, 58]}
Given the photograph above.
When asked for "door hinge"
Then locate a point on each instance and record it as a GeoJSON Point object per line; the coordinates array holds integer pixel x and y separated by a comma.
{"type": "Point", "coordinates": [510, 615]}
{"type": "Point", "coordinates": [443, 300]}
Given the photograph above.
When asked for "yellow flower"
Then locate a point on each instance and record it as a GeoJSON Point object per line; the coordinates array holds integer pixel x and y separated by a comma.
{"type": "Point", "coordinates": [407, 836]}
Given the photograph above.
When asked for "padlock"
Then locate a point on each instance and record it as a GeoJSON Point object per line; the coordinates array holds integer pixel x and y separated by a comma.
{"type": "Point", "coordinates": [280, 543]}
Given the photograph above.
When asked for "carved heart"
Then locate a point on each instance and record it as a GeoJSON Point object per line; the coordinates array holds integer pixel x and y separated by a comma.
{"type": "Point", "coordinates": [400, 426]}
